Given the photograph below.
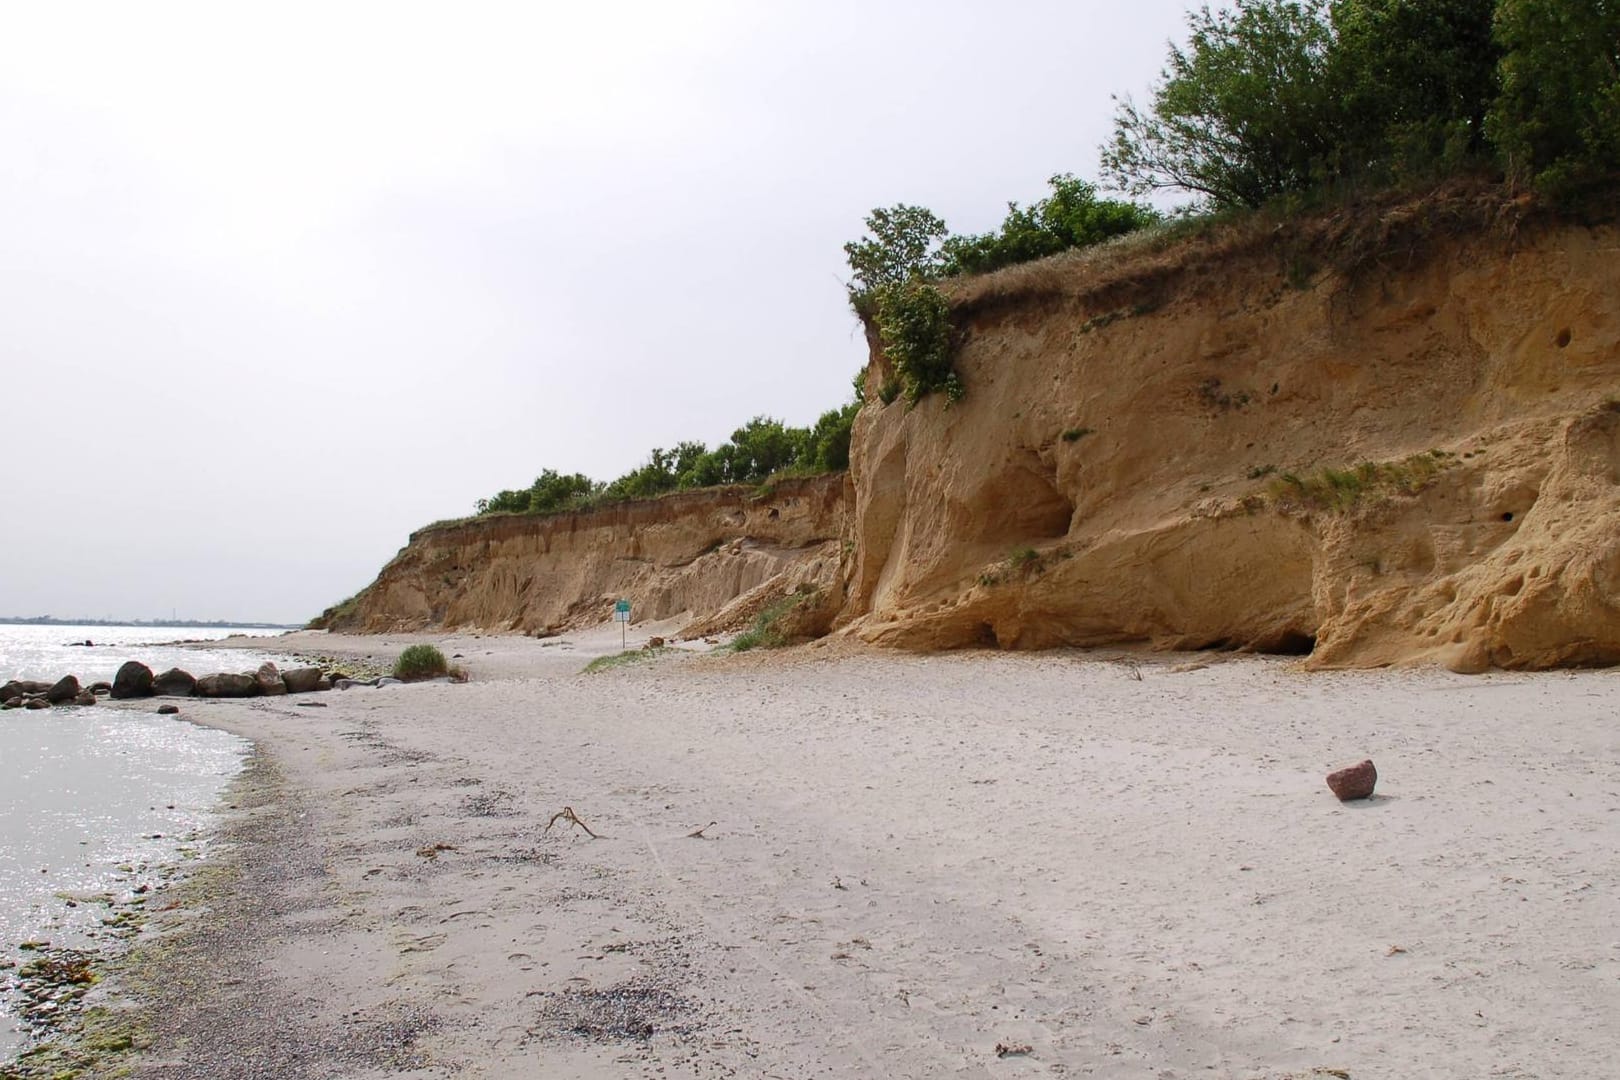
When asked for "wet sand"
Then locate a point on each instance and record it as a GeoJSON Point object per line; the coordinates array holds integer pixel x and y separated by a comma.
{"type": "Point", "coordinates": [830, 862]}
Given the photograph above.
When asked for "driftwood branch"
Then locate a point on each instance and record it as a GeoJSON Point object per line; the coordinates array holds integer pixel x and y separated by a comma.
{"type": "Point", "coordinates": [567, 814]}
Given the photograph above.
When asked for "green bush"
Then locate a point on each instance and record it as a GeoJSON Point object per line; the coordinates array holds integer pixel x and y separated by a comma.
{"type": "Point", "coordinates": [914, 323]}
{"type": "Point", "coordinates": [762, 448]}
{"type": "Point", "coordinates": [1071, 217]}
{"type": "Point", "coordinates": [1557, 120]}
{"type": "Point", "coordinates": [420, 662]}
{"type": "Point", "coordinates": [766, 631]}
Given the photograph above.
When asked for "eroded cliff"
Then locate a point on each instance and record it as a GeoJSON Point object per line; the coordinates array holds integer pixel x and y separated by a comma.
{"type": "Point", "coordinates": [1163, 448]}
{"type": "Point", "coordinates": [1378, 437]}
{"type": "Point", "coordinates": [696, 553]}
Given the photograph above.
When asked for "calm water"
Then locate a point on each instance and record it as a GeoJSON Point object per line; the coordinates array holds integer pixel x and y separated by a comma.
{"type": "Point", "coordinates": [43, 652]}
{"type": "Point", "coordinates": [94, 801]}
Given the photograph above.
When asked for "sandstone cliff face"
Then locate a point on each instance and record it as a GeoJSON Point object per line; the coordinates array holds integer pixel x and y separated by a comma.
{"type": "Point", "coordinates": [1115, 472]}
{"type": "Point", "coordinates": [1162, 446]}
{"type": "Point", "coordinates": [699, 553]}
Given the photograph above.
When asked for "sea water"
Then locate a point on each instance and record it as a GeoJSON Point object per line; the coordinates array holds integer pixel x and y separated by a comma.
{"type": "Point", "coordinates": [46, 653]}
{"type": "Point", "coordinates": [97, 801]}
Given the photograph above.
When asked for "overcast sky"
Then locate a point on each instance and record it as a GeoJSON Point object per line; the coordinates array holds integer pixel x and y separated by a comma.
{"type": "Point", "coordinates": [281, 282]}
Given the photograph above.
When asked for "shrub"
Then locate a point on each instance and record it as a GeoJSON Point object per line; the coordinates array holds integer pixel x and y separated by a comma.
{"type": "Point", "coordinates": [1071, 217]}
{"type": "Point", "coordinates": [1024, 558]}
{"type": "Point", "coordinates": [551, 492]}
{"type": "Point", "coordinates": [767, 631]}
{"type": "Point", "coordinates": [420, 662]}
{"type": "Point", "coordinates": [914, 323]}
{"type": "Point", "coordinates": [1075, 434]}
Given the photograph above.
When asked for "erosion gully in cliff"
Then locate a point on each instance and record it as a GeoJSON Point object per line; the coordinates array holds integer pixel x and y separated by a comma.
{"type": "Point", "coordinates": [1370, 440]}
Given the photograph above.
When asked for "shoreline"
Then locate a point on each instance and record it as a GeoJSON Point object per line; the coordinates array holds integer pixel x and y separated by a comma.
{"type": "Point", "coordinates": [914, 860]}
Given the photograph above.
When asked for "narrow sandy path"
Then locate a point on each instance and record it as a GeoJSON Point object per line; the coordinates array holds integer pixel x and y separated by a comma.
{"type": "Point", "coordinates": [913, 860]}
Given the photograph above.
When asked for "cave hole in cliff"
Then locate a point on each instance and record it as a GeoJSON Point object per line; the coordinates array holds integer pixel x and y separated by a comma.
{"type": "Point", "coordinates": [987, 636]}
{"type": "Point", "coordinates": [1562, 340]}
{"type": "Point", "coordinates": [1507, 515]}
{"type": "Point", "coordinates": [1292, 643]}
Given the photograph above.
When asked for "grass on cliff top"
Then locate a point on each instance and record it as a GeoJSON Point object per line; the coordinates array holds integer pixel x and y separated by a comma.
{"type": "Point", "coordinates": [336, 615]}
{"type": "Point", "coordinates": [1349, 231]}
{"type": "Point", "coordinates": [1340, 490]}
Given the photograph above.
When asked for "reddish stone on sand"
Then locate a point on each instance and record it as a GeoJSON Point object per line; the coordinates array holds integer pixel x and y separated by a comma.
{"type": "Point", "coordinates": [1356, 782]}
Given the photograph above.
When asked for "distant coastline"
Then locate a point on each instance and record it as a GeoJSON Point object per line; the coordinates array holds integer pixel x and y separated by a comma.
{"type": "Point", "coordinates": [197, 624]}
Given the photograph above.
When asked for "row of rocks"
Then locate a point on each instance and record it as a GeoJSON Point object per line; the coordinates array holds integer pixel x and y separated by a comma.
{"type": "Point", "coordinates": [135, 680]}
{"type": "Point", "coordinates": [19, 693]}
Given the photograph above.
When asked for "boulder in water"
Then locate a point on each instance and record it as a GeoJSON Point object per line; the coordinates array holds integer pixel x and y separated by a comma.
{"type": "Point", "coordinates": [22, 688]}
{"type": "Point", "coordinates": [36, 703]}
{"type": "Point", "coordinates": [133, 680]}
{"type": "Point", "coordinates": [168, 710]}
{"type": "Point", "coordinates": [65, 690]}
{"type": "Point", "coordinates": [84, 697]}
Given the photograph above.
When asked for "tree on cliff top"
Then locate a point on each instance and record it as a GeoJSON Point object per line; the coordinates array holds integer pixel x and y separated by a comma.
{"type": "Point", "coordinates": [1242, 114]}
{"type": "Point", "coordinates": [1557, 120]}
{"type": "Point", "coordinates": [904, 245]}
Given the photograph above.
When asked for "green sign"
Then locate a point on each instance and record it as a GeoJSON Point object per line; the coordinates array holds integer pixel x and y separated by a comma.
{"type": "Point", "coordinates": [622, 605]}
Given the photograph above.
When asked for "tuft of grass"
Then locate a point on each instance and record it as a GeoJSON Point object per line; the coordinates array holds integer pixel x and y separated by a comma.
{"type": "Point", "coordinates": [766, 632]}
{"type": "Point", "coordinates": [1024, 558]}
{"type": "Point", "coordinates": [624, 659]}
{"type": "Point", "coordinates": [421, 662]}
{"type": "Point", "coordinates": [1258, 471]}
{"type": "Point", "coordinates": [1340, 490]}
{"type": "Point", "coordinates": [1075, 434]}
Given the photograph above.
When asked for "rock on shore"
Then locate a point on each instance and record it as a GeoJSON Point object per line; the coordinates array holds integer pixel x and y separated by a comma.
{"type": "Point", "coordinates": [133, 680]}
{"type": "Point", "coordinates": [227, 685]}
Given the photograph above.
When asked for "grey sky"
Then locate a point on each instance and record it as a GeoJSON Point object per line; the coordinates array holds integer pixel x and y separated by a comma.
{"type": "Point", "coordinates": [283, 282]}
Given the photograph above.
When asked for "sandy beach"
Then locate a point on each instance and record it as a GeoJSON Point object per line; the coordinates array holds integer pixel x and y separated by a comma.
{"type": "Point", "coordinates": [841, 863]}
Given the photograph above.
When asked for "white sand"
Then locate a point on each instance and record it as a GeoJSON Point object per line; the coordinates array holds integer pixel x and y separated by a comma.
{"type": "Point", "coordinates": [917, 858]}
